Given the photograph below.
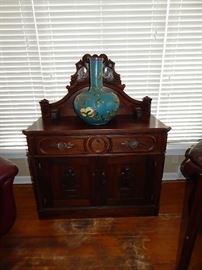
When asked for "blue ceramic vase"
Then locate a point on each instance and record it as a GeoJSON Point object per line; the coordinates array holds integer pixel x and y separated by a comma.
{"type": "Point", "coordinates": [96, 105]}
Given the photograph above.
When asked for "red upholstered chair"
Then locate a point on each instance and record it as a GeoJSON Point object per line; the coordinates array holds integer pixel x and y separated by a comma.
{"type": "Point", "coordinates": [7, 202]}
{"type": "Point", "coordinates": [191, 168]}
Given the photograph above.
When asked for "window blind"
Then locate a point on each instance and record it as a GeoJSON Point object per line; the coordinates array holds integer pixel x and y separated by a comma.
{"type": "Point", "coordinates": [156, 45]}
{"type": "Point", "coordinates": [180, 95]}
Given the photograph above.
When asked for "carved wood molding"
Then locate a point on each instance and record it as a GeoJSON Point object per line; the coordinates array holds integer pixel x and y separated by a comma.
{"type": "Point", "coordinates": [82, 78]}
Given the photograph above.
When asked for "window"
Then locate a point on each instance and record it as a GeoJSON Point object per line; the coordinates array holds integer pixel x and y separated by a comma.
{"type": "Point", "coordinates": [156, 45]}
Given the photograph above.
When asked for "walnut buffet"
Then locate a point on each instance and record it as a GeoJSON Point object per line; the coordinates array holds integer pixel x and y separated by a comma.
{"type": "Point", "coordinates": [79, 170]}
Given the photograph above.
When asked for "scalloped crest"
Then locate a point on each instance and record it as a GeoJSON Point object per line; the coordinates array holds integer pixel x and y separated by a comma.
{"type": "Point", "coordinates": [82, 78]}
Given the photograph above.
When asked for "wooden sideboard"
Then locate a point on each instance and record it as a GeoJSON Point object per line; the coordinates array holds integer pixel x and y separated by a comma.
{"type": "Point", "coordinates": [79, 170]}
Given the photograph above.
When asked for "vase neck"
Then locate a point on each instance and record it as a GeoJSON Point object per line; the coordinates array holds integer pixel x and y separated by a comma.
{"type": "Point", "coordinates": [96, 73]}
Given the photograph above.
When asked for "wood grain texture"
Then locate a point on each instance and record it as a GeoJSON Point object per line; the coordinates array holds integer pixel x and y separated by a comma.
{"type": "Point", "coordinates": [130, 187]}
{"type": "Point", "coordinates": [132, 243]}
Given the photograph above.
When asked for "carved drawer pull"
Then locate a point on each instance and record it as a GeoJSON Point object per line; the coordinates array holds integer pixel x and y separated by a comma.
{"type": "Point", "coordinates": [125, 172]}
{"type": "Point", "coordinates": [103, 178]}
{"type": "Point", "coordinates": [131, 144]}
{"type": "Point", "coordinates": [62, 145]}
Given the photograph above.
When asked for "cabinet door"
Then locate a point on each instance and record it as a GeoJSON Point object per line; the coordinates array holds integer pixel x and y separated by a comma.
{"type": "Point", "coordinates": [69, 181]}
{"type": "Point", "coordinates": [129, 180]}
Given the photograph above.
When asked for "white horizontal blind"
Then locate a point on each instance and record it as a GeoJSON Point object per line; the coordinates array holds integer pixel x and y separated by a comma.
{"type": "Point", "coordinates": [180, 95]}
{"type": "Point", "coordinates": [156, 45]}
{"type": "Point", "coordinates": [20, 78]}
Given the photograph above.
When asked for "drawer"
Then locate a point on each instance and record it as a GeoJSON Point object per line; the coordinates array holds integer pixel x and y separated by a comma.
{"type": "Point", "coordinates": [136, 143]}
{"type": "Point", "coordinates": [60, 145]}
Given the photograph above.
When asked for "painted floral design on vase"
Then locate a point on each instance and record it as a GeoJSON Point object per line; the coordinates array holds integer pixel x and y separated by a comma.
{"type": "Point", "coordinates": [96, 105]}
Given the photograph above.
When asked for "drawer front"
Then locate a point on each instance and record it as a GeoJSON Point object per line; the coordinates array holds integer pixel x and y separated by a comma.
{"type": "Point", "coordinates": [65, 145]}
{"type": "Point", "coordinates": [136, 143]}
{"type": "Point", "coordinates": [60, 145]}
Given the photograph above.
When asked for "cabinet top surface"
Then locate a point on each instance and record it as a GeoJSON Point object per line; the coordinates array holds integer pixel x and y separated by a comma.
{"type": "Point", "coordinates": [73, 125]}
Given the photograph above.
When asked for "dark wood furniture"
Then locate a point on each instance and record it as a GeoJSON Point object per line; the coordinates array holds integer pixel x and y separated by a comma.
{"type": "Point", "coordinates": [192, 213]}
{"type": "Point", "coordinates": [80, 170]}
{"type": "Point", "coordinates": [8, 171]}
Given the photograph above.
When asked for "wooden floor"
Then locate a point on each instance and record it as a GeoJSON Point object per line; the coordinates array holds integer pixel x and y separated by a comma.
{"type": "Point", "coordinates": [133, 243]}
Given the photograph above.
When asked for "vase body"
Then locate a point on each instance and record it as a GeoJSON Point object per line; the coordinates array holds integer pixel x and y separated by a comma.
{"type": "Point", "coordinates": [96, 106]}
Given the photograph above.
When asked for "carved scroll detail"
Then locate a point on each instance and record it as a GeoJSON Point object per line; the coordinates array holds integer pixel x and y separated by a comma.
{"type": "Point", "coordinates": [81, 76]}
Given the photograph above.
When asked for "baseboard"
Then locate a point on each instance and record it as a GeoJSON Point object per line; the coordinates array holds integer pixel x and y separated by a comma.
{"type": "Point", "coordinates": [22, 180]}
{"type": "Point", "coordinates": [173, 176]}
{"type": "Point", "coordinates": [176, 175]}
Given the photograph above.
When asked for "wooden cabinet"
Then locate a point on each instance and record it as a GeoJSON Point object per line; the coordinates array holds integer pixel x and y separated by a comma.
{"type": "Point", "coordinates": [80, 170]}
